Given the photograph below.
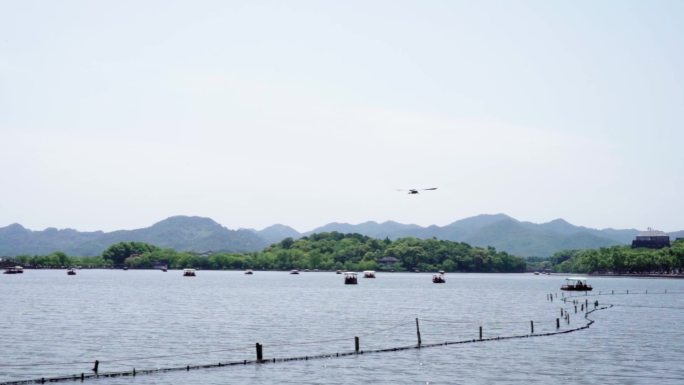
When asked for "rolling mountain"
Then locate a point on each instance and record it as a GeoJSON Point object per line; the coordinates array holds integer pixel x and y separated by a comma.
{"type": "Point", "coordinates": [370, 229]}
{"type": "Point", "coordinates": [499, 231]}
{"type": "Point", "coordinates": [276, 233]}
{"type": "Point", "coordinates": [180, 233]}
{"type": "Point", "coordinates": [204, 234]}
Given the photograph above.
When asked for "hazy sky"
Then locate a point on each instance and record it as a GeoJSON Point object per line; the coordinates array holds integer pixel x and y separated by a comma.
{"type": "Point", "coordinates": [117, 114]}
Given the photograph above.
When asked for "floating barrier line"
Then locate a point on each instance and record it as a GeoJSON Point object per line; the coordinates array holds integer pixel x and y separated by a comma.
{"type": "Point", "coordinates": [198, 353]}
{"type": "Point", "coordinates": [484, 323]}
{"type": "Point", "coordinates": [134, 372]}
{"type": "Point", "coordinates": [125, 359]}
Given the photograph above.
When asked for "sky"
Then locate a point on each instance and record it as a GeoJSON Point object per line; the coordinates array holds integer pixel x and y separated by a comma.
{"type": "Point", "coordinates": [118, 114]}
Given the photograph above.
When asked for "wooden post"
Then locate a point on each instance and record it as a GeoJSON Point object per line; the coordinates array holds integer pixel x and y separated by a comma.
{"type": "Point", "coordinates": [575, 309]}
{"type": "Point", "coordinates": [612, 292]}
{"type": "Point", "coordinates": [259, 352]}
{"type": "Point", "coordinates": [532, 327]}
{"type": "Point", "coordinates": [418, 332]}
{"type": "Point", "coordinates": [480, 332]}
{"type": "Point", "coordinates": [356, 344]}
{"type": "Point", "coordinates": [96, 367]}
{"type": "Point", "coordinates": [561, 312]}
{"type": "Point", "coordinates": [133, 372]}
{"type": "Point", "coordinates": [557, 323]}
{"type": "Point", "coordinates": [82, 377]}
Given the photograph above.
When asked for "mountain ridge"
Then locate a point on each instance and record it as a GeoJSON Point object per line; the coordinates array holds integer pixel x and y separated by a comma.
{"type": "Point", "coordinates": [202, 234]}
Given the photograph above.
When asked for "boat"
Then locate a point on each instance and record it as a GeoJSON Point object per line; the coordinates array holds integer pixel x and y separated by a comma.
{"type": "Point", "coordinates": [125, 267]}
{"type": "Point", "coordinates": [188, 272]}
{"type": "Point", "coordinates": [338, 272]}
{"type": "Point", "coordinates": [576, 284]}
{"type": "Point", "coordinates": [164, 269]}
{"type": "Point", "coordinates": [438, 278]}
{"type": "Point", "coordinates": [14, 270]}
{"type": "Point", "coordinates": [295, 271]}
{"type": "Point", "coordinates": [369, 274]}
{"type": "Point", "coordinates": [249, 272]}
{"type": "Point", "coordinates": [71, 272]}
{"type": "Point", "coordinates": [350, 278]}
{"type": "Point", "coordinates": [536, 273]}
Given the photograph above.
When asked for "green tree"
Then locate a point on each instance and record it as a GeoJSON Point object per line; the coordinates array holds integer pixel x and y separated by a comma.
{"type": "Point", "coordinates": [118, 252]}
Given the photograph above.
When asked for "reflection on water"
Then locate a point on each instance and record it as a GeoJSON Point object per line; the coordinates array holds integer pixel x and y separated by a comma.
{"type": "Point", "coordinates": [149, 319]}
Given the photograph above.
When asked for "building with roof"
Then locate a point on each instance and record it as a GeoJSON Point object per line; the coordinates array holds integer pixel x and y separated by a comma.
{"type": "Point", "coordinates": [388, 260]}
{"type": "Point", "coordinates": [652, 239]}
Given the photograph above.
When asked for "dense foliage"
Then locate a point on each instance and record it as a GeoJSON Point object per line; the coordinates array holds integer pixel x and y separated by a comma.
{"type": "Point", "coordinates": [621, 260]}
{"type": "Point", "coordinates": [325, 251]}
{"type": "Point", "coordinates": [336, 251]}
{"type": "Point", "coordinates": [59, 259]}
{"type": "Point", "coordinates": [119, 252]}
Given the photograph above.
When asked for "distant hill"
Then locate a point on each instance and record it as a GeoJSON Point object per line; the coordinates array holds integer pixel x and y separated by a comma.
{"type": "Point", "coordinates": [276, 233]}
{"type": "Point", "coordinates": [499, 231]}
{"type": "Point", "coordinates": [529, 239]}
{"type": "Point", "coordinates": [370, 229]}
{"type": "Point", "coordinates": [204, 234]}
{"type": "Point", "coordinates": [181, 233]}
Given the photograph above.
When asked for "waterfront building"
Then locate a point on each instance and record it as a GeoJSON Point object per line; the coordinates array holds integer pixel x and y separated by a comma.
{"type": "Point", "coordinates": [652, 239]}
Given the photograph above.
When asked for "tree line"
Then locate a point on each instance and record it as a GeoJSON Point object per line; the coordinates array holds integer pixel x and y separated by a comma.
{"type": "Point", "coordinates": [355, 252]}
{"type": "Point", "coordinates": [621, 260]}
{"type": "Point", "coordinates": [324, 251]}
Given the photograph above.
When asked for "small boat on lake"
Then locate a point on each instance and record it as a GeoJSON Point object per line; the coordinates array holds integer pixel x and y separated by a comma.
{"type": "Point", "coordinates": [188, 272]}
{"type": "Point", "coordinates": [295, 271]}
{"type": "Point", "coordinates": [338, 272]}
{"type": "Point", "coordinates": [14, 270]}
{"type": "Point", "coordinates": [350, 278]}
{"type": "Point", "coordinates": [249, 272]}
{"type": "Point", "coordinates": [438, 278]}
{"type": "Point", "coordinates": [369, 274]}
{"type": "Point", "coordinates": [576, 284]}
{"type": "Point", "coordinates": [164, 269]}
{"type": "Point", "coordinates": [71, 272]}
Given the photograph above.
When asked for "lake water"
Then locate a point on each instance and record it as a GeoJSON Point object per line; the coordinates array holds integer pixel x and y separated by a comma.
{"type": "Point", "coordinates": [54, 324]}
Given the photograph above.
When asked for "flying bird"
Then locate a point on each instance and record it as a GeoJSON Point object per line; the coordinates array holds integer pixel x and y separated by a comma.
{"type": "Point", "coordinates": [415, 190]}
